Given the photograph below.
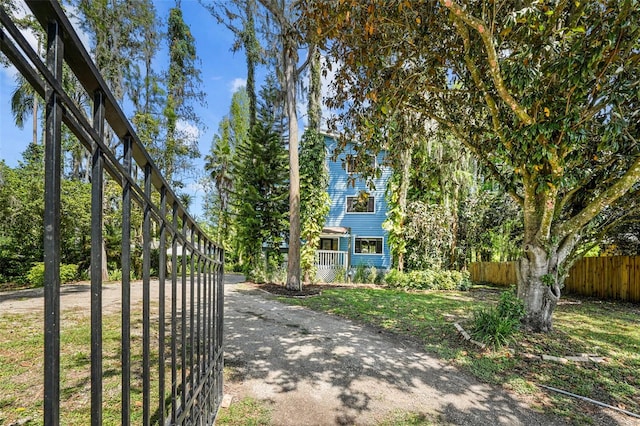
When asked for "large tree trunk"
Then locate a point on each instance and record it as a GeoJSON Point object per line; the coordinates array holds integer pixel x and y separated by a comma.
{"type": "Point", "coordinates": [536, 288]}
{"type": "Point", "coordinates": [293, 266]}
{"type": "Point", "coordinates": [541, 270]}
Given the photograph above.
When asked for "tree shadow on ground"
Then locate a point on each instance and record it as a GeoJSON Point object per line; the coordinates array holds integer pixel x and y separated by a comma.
{"type": "Point", "coordinates": [351, 372]}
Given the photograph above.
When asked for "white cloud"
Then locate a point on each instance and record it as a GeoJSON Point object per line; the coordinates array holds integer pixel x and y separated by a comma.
{"type": "Point", "coordinates": [188, 131]}
{"type": "Point", "coordinates": [237, 83]}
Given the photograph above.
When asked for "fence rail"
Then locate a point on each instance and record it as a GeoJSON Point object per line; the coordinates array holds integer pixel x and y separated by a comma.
{"type": "Point", "coordinates": [607, 277]}
{"type": "Point", "coordinates": [189, 380]}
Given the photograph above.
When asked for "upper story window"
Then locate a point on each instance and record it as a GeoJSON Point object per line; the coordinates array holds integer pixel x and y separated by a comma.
{"type": "Point", "coordinates": [360, 204]}
{"type": "Point", "coordinates": [352, 160]}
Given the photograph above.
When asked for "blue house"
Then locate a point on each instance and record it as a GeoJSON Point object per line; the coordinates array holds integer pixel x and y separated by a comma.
{"type": "Point", "coordinates": [353, 233]}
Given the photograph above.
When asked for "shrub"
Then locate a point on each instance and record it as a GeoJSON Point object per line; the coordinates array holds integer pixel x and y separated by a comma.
{"type": "Point", "coordinates": [35, 276]}
{"type": "Point", "coordinates": [428, 279]}
{"type": "Point", "coordinates": [371, 275]}
{"type": "Point", "coordinates": [395, 278]}
{"type": "Point", "coordinates": [68, 273]}
{"type": "Point", "coordinates": [491, 328]}
{"type": "Point", "coordinates": [497, 326]}
{"type": "Point", "coordinates": [465, 281]}
{"type": "Point", "coordinates": [360, 274]}
{"type": "Point", "coordinates": [509, 306]}
{"type": "Point", "coordinates": [341, 275]}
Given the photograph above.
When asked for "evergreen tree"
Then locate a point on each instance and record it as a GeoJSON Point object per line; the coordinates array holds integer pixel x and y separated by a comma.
{"type": "Point", "coordinates": [261, 186]}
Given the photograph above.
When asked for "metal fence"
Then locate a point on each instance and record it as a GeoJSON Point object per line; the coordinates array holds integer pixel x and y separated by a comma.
{"type": "Point", "coordinates": [187, 353]}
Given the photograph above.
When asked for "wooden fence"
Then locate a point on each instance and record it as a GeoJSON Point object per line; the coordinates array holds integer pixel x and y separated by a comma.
{"type": "Point", "coordinates": [610, 277]}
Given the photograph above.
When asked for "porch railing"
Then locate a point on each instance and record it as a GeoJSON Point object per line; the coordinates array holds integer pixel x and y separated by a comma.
{"type": "Point", "coordinates": [330, 265]}
{"type": "Point", "coordinates": [187, 354]}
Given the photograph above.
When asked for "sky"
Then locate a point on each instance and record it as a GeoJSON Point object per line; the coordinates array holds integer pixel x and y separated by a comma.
{"type": "Point", "coordinates": [223, 72]}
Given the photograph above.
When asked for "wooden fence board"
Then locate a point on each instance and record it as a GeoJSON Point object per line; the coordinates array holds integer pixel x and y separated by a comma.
{"type": "Point", "coordinates": [607, 277]}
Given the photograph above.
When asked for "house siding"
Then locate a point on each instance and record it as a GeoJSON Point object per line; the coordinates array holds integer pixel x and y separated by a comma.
{"type": "Point", "coordinates": [362, 225]}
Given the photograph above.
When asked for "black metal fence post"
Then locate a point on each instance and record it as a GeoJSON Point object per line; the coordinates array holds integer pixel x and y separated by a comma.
{"type": "Point", "coordinates": [126, 285]}
{"type": "Point", "coordinates": [146, 300]}
{"type": "Point", "coordinates": [53, 171]}
{"type": "Point", "coordinates": [97, 183]}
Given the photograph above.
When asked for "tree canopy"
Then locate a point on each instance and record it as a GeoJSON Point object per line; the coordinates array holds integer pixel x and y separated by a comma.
{"type": "Point", "coordinates": [545, 94]}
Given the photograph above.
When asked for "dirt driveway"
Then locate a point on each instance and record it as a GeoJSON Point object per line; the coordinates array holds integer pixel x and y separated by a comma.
{"type": "Point", "coordinates": [317, 369]}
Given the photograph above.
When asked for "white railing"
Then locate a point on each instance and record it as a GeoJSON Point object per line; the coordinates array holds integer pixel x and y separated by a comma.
{"type": "Point", "coordinates": [330, 264]}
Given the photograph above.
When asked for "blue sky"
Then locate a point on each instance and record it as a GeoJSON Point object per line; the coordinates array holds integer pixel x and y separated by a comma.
{"type": "Point", "coordinates": [222, 73]}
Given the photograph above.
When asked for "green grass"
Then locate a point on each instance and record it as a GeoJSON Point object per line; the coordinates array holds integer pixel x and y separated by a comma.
{"type": "Point", "coordinates": [21, 369]}
{"type": "Point", "coordinates": [246, 412]}
{"type": "Point", "coordinates": [401, 418]}
{"type": "Point", "coordinates": [608, 329]}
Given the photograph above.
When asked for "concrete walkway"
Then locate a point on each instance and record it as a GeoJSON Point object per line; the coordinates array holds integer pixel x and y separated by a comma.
{"type": "Point", "coordinates": [317, 369]}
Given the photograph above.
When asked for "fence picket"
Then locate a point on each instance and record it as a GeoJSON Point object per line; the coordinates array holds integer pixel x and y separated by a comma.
{"type": "Point", "coordinates": [607, 277]}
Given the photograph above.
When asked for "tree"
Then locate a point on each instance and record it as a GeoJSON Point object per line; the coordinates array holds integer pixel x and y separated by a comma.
{"type": "Point", "coordinates": [119, 31]}
{"type": "Point", "coordinates": [22, 206]}
{"type": "Point", "coordinates": [314, 200]}
{"type": "Point", "coordinates": [289, 39]}
{"type": "Point", "coordinates": [25, 102]}
{"type": "Point", "coordinates": [260, 185]}
{"type": "Point", "coordinates": [543, 94]}
{"type": "Point", "coordinates": [144, 89]}
{"type": "Point", "coordinates": [183, 88]}
{"type": "Point", "coordinates": [314, 176]}
{"type": "Point", "coordinates": [219, 166]}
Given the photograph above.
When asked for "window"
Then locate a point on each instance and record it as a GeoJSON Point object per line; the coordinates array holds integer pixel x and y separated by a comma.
{"type": "Point", "coordinates": [368, 246]}
{"type": "Point", "coordinates": [360, 204]}
{"type": "Point", "coordinates": [329, 244]}
{"type": "Point", "coordinates": [352, 160]}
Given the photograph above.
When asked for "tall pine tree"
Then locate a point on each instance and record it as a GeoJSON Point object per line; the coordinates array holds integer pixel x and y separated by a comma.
{"type": "Point", "coordinates": [261, 185]}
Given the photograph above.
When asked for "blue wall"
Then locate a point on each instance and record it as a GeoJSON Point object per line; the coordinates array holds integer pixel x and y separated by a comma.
{"type": "Point", "coordinates": [361, 224]}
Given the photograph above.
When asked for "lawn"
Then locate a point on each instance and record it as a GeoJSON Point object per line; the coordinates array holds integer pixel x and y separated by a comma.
{"type": "Point", "coordinates": [21, 368]}
{"type": "Point", "coordinates": [607, 329]}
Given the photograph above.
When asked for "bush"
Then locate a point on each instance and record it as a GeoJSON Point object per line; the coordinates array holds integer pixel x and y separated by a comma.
{"type": "Point", "coordinates": [429, 279]}
{"type": "Point", "coordinates": [491, 328]}
{"type": "Point", "coordinates": [360, 274]}
{"type": "Point", "coordinates": [509, 306]}
{"type": "Point", "coordinates": [371, 274]}
{"type": "Point", "coordinates": [341, 275]}
{"type": "Point", "coordinates": [395, 278]}
{"type": "Point", "coordinates": [497, 326]}
{"type": "Point", "coordinates": [35, 276]}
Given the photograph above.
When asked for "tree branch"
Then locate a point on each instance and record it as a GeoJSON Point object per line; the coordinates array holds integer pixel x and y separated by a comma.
{"type": "Point", "coordinates": [492, 56]}
{"type": "Point", "coordinates": [493, 108]}
{"type": "Point", "coordinates": [459, 134]}
{"type": "Point", "coordinates": [607, 197]}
